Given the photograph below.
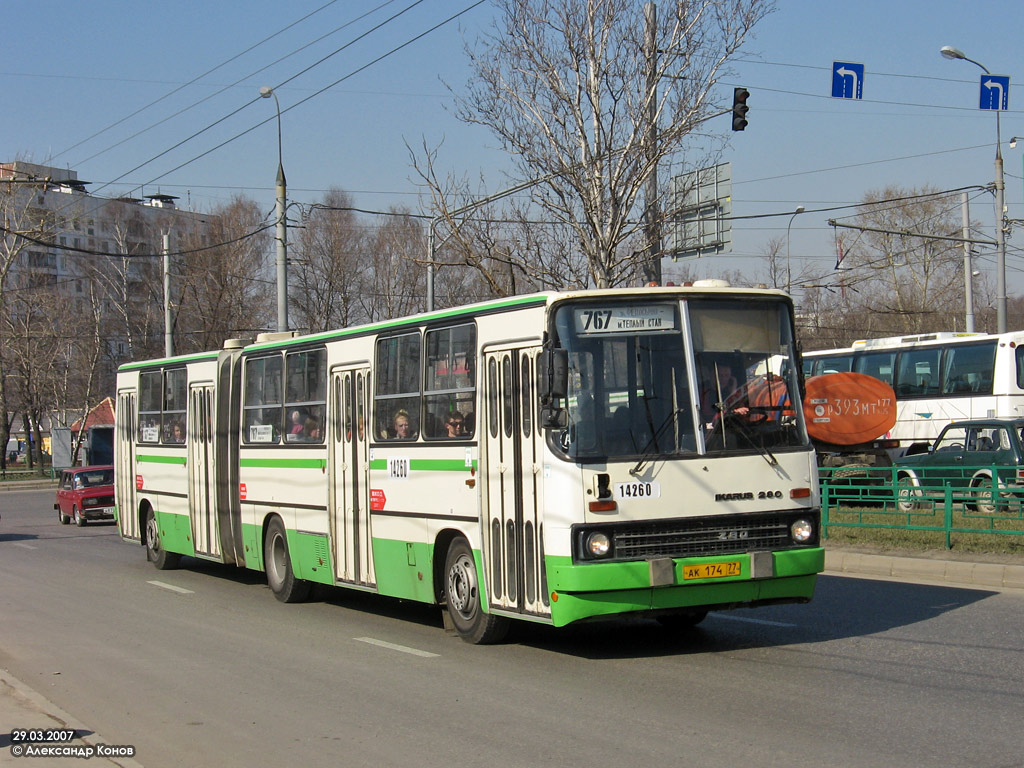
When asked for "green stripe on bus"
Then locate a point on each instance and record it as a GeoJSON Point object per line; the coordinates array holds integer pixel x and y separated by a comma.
{"type": "Point", "coordinates": [169, 361]}
{"type": "Point", "coordinates": [430, 465]}
{"type": "Point", "coordinates": [284, 463]}
{"type": "Point", "coordinates": [518, 302]}
{"type": "Point", "coordinates": [149, 459]}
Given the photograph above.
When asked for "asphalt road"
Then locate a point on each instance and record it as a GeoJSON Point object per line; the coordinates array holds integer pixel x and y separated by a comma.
{"type": "Point", "coordinates": [201, 666]}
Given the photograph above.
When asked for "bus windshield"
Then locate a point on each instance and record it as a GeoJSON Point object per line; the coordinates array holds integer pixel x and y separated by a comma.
{"type": "Point", "coordinates": [678, 378]}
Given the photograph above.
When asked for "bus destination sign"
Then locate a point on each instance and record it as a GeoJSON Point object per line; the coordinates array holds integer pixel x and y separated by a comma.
{"type": "Point", "coordinates": [625, 318]}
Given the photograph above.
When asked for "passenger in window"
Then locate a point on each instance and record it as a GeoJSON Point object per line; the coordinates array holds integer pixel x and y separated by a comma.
{"type": "Point", "coordinates": [311, 431]}
{"type": "Point", "coordinates": [298, 422]}
{"type": "Point", "coordinates": [455, 424]}
{"type": "Point", "coordinates": [177, 432]}
{"type": "Point", "coordinates": [348, 430]}
{"type": "Point", "coordinates": [401, 425]}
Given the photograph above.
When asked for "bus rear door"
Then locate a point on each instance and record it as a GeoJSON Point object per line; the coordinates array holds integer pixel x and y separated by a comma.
{"type": "Point", "coordinates": [350, 492]}
{"type": "Point", "coordinates": [201, 483]}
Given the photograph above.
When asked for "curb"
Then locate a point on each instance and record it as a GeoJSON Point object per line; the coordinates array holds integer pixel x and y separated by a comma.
{"type": "Point", "coordinates": [923, 569]}
{"type": "Point", "coordinates": [27, 485]}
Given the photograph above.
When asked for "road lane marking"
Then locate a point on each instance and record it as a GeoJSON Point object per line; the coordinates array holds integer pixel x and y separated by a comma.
{"type": "Point", "coordinates": [752, 621]}
{"type": "Point", "coordinates": [393, 647]}
{"type": "Point", "coordinates": [24, 546]}
{"type": "Point", "coordinates": [179, 590]}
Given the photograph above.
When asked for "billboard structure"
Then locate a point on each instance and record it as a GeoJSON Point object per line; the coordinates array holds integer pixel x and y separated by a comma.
{"type": "Point", "coordinates": [700, 206]}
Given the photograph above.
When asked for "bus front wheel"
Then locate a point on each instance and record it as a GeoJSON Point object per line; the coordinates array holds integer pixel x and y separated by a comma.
{"type": "Point", "coordinates": [462, 598]}
{"type": "Point", "coordinates": [155, 552]}
{"type": "Point", "coordinates": [280, 577]}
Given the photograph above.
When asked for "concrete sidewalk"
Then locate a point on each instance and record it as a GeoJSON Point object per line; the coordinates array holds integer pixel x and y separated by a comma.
{"type": "Point", "coordinates": [27, 485]}
{"type": "Point", "coordinates": [23, 708]}
{"type": "Point", "coordinates": [927, 569]}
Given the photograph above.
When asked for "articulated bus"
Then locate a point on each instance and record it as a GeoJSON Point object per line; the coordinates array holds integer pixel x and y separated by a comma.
{"type": "Point", "coordinates": [544, 457]}
{"type": "Point", "coordinates": [937, 378]}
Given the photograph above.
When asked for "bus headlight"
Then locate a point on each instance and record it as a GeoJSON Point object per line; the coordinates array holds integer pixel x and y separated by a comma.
{"type": "Point", "coordinates": [802, 530]}
{"type": "Point", "coordinates": [597, 544]}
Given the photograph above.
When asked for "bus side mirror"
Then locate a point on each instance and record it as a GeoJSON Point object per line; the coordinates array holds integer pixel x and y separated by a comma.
{"type": "Point", "coordinates": [552, 385]}
{"type": "Point", "coordinates": [552, 374]}
{"type": "Point", "coordinates": [553, 418]}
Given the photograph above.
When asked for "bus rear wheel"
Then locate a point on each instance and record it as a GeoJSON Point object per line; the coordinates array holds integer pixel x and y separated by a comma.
{"type": "Point", "coordinates": [280, 577]}
{"type": "Point", "coordinates": [155, 553]}
{"type": "Point", "coordinates": [462, 598]}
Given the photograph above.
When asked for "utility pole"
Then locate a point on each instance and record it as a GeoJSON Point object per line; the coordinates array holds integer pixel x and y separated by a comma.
{"type": "Point", "coordinates": [968, 269]}
{"type": "Point", "coordinates": [281, 208]}
{"type": "Point", "coordinates": [652, 223]}
{"type": "Point", "coordinates": [168, 334]}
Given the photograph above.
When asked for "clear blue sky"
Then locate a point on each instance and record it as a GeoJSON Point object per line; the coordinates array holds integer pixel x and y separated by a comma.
{"type": "Point", "coordinates": [70, 70]}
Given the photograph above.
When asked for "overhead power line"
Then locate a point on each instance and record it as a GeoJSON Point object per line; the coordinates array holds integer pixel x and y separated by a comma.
{"type": "Point", "coordinates": [181, 87]}
{"type": "Point", "coordinates": [297, 104]}
{"type": "Point", "coordinates": [257, 98]}
{"type": "Point", "coordinates": [110, 254]}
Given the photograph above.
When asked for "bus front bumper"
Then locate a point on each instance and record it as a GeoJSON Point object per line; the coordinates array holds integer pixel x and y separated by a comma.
{"type": "Point", "coordinates": [580, 591]}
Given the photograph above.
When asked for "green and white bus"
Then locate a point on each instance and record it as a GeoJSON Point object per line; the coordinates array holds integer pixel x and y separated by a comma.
{"type": "Point", "coordinates": [551, 457]}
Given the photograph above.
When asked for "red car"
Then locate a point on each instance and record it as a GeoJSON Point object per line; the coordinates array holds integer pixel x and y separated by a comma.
{"type": "Point", "coordinates": [85, 493]}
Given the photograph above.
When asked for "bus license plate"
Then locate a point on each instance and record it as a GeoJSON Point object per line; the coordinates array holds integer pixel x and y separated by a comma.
{"type": "Point", "coordinates": [711, 570]}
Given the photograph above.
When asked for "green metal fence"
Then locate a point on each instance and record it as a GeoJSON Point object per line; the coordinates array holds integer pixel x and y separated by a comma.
{"type": "Point", "coordinates": [874, 498]}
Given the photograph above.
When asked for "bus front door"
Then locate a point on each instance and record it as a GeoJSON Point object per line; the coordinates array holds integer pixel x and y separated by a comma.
{"type": "Point", "coordinates": [202, 506]}
{"type": "Point", "coordinates": [513, 541]}
{"type": "Point", "coordinates": [350, 481]}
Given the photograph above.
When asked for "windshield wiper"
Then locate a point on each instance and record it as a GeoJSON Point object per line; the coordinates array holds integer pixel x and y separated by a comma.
{"type": "Point", "coordinates": [744, 429]}
{"type": "Point", "coordinates": [647, 454]}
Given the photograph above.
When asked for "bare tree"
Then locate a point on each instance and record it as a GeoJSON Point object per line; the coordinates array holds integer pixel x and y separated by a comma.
{"type": "Point", "coordinates": [394, 283]}
{"type": "Point", "coordinates": [131, 285]}
{"type": "Point", "coordinates": [900, 274]}
{"type": "Point", "coordinates": [27, 228]}
{"type": "Point", "coordinates": [566, 87]}
{"type": "Point", "coordinates": [329, 261]}
{"type": "Point", "coordinates": [226, 289]}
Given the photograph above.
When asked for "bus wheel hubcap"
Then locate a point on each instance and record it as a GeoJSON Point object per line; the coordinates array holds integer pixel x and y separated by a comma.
{"type": "Point", "coordinates": [461, 585]}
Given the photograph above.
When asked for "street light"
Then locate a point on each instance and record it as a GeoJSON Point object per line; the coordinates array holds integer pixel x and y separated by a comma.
{"type": "Point", "coordinates": [789, 268]}
{"type": "Point", "coordinates": [282, 223]}
{"type": "Point", "coordinates": [950, 52]}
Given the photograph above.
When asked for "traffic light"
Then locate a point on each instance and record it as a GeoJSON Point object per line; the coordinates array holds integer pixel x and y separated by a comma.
{"type": "Point", "coordinates": [739, 108]}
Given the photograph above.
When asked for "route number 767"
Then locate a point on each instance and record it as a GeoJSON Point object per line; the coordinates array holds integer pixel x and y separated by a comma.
{"type": "Point", "coordinates": [596, 320]}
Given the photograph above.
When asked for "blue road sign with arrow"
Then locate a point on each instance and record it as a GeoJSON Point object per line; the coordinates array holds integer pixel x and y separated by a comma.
{"type": "Point", "coordinates": [995, 92]}
{"type": "Point", "coordinates": [847, 80]}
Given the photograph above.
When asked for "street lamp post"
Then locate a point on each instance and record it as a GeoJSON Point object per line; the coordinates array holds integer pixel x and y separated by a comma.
{"type": "Point", "coordinates": [968, 268]}
{"type": "Point", "coordinates": [281, 191]}
{"type": "Point", "coordinates": [950, 52]}
{"type": "Point", "coordinates": [789, 268]}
